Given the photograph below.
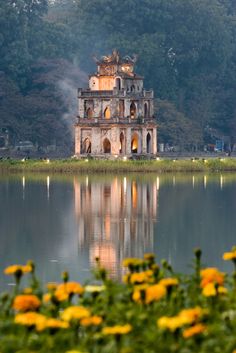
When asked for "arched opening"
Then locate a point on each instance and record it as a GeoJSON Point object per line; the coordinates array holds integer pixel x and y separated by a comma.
{"type": "Point", "coordinates": [134, 144]}
{"type": "Point", "coordinates": [107, 113]}
{"type": "Point", "coordinates": [2, 142]}
{"type": "Point", "coordinates": [106, 146]}
{"type": "Point", "coordinates": [146, 110]}
{"type": "Point", "coordinates": [132, 110]}
{"type": "Point", "coordinates": [132, 88]}
{"type": "Point", "coordinates": [149, 146]}
{"type": "Point", "coordinates": [118, 83]}
{"type": "Point", "coordinates": [89, 113]}
{"type": "Point", "coordinates": [86, 146]}
{"type": "Point", "coordinates": [122, 143]}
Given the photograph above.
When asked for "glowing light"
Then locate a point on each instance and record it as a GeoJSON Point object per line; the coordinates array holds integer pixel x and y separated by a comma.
{"type": "Point", "coordinates": [221, 182]}
{"type": "Point", "coordinates": [87, 181]}
{"type": "Point", "coordinates": [48, 186]}
{"type": "Point", "coordinates": [193, 181]}
{"type": "Point", "coordinates": [125, 184]}
{"type": "Point", "coordinates": [124, 158]}
{"type": "Point", "coordinates": [23, 182]}
{"type": "Point", "coordinates": [205, 160]}
{"type": "Point", "coordinates": [174, 160]}
{"type": "Point", "coordinates": [158, 183]}
{"type": "Point", "coordinates": [205, 181]}
{"type": "Point", "coordinates": [47, 160]}
{"type": "Point", "coordinates": [158, 159]}
{"type": "Point", "coordinates": [86, 160]}
{"type": "Point", "coordinates": [23, 160]}
{"type": "Point", "coordinates": [222, 159]}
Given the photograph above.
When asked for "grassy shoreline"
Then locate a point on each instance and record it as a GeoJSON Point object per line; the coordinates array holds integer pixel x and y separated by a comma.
{"type": "Point", "coordinates": [119, 166]}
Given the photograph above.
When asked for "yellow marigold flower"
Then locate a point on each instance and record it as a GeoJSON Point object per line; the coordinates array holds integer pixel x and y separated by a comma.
{"type": "Point", "coordinates": [155, 292]}
{"type": "Point", "coordinates": [194, 330]}
{"type": "Point", "coordinates": [52, 323]}
{"type": "Point", "coordinates": [169, 282]}
{"type": "Point", "coordinates": [132, 261]}
{"type": "Point", "coordinates": [75, 313]}
{"type": "Point", "coordinates": [70, 288]}
{"type": "Point", "coordinates": [28, 290]}
{"type": "Point", "coordinates": [47, 297]}
{"type": "Point", "coordinates": [211, 275]}
{"type": "Point", "coordinates": [171, 323]}
{"type": "Point", "coordinates": [141, 277]}
{"type": "Point", "coordinates": [222, 290]}
{"type": "Point", "coordinates": [26, 302]}
{"type": "Point", "coordinates": [229, 255]}
{"type": "Point", "coordinates": [210, 290]}
{"type": "Point", "coordinates": [94, 289]}
{"type": "Point", "coordinates": [117, 330]}
{"type": "Point", "coordinates": [191, 315]}
{"type": "Point", "coordinates": [13, 269]}
{"type": "Point", "coordinates": [136, 296]}
{"type": "Point", "coordinates": [61, 295]}
{"type": "Point", "coordinates": [91, 321]}
{"type": "Point", "coordinates": [30, 319]}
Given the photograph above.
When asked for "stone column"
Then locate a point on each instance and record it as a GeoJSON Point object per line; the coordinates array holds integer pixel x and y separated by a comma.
{"type": "Point", "coordinates": [128, 141]}
{"type": "Point", "coordinates": [154, 141]}
{"type": "Point", "coordinates": [77, 140]}
{"type": "Point", "coordinates": [115, 141]}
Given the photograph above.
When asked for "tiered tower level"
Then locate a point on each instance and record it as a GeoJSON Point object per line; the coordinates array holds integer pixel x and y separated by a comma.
{"type": "Point", "coordinates": [115, 114]}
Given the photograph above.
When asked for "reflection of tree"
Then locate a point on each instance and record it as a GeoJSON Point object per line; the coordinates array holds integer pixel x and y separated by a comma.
{"type": "Point", "coordinates": [115, 219]}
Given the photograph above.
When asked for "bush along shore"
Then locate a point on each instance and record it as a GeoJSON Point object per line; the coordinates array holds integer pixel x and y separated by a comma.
{"type": "Point", "coordinates": [152, 310]}
{"type": "Point", "coordinates": [118, 166]}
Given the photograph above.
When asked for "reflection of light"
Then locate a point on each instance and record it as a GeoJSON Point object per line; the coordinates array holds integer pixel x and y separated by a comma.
{"type": "Point", "coordinates": [106, 254]}
{"type": "Point", "coordinates": [134, 195]}
{"type": "Point", "coordinates": [23, 182]}
{"type": "Point", "coordinates": [205, 181]}
{"type": "Point", "coordinates": [193, 181]}
{"type": "Point", "coordinates": [87, 180]}
{"type": "Point", "coordinates": [158, 183]}
{"type": "Point", "coordinates": [221, 182]}
{"type": "Point", "coordinates": [173, 180]}
{"type": "Point", "coordinates": [125, 185]}
{"type": "Point", "coordinates": [48, 185]}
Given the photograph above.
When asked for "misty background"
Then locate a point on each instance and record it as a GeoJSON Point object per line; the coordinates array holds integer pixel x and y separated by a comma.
{"type": "Point", "coordinates": [186, 52]}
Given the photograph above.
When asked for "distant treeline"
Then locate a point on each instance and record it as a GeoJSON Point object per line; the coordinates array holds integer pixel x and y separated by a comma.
{"type": "Point", "coordinates": [186, 50]}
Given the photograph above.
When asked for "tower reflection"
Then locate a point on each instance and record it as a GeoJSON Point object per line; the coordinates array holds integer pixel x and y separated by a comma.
{"type": "Point", "coordinates": [115, 219]}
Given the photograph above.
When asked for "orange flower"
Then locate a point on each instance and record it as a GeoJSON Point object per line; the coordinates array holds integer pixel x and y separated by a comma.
{"type": "Point", "coordinates": [52, 323]}
{"type": "Point", "coordinates": [194, 330]}
{"type": "Point", "coordinates": [13, 269]}
{"type": "Point", "coordinates": [154, 293]}
{"type": "Point", "coordinates": [169, 282]}
{"type": "Point", "coordinates": [211, 275]}
{"type": "Point", "coordinates": [91, 321]}
{"type": "Point", "coordinates": [171, 323]}
{"type": "Point", "coordinates": [26, 302]}
{"type": "Point", "coordinates": [117, 330]}
{"type": "Point", "coordinates": [64, 290]}
{"type": "Point", "coordinates": [75, 313]}
{"type": "Point", "coordinates": [141, 277]}
{"type": "Point", "coordinates": [210, 290]}
{"type": "Point", "coordinates": [30, 319]}
{"type": "Point", "coordinates": [191, 315]}
{"type": "Point", "coordinates": [230, 255]}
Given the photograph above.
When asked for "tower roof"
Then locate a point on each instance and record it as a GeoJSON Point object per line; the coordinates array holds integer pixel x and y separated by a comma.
{"type": "Point", "coordinates": [115, 58]}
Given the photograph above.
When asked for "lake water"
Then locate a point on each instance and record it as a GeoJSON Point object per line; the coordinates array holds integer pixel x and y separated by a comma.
{"type": "Point", "coordinates": [62, 223]}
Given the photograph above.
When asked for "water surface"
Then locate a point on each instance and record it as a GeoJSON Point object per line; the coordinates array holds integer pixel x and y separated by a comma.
{"type": "Point", "coordinates": [65, 222]}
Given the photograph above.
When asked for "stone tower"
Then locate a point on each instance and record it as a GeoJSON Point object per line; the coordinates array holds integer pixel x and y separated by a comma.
{"type": "Point", "coordinates": [115, 114]}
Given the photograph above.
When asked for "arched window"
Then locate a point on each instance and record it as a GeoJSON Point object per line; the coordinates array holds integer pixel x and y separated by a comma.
{"type": "Point", "coordinates": [106, 146]}
{"type": "Point", "coordinates": [107, 113]}
{"type": "Point", "coordinates": [134, 143]}
{"type": "Point", "coordinates": [86, 146]}
{"type": "Point", "coordinates": [149, 145]}
{"type": "Point", "coordinates": [118, 83]}
{"type": "Point", "coordinates": [122, 143]}
{"type": "Point", "coordinates": [121, 108]}
{"type": "Point", "coordinates": [146, 110]}
{"type": "Point", "coordinates": [132, 88]}
{"type": "Point", "coordinates": [132, 110]}
{"type": "Point", "coordinates": [89, 113]}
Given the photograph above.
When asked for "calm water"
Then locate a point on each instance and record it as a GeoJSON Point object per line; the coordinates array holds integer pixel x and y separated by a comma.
{"type": "Point", "coordinates": [63, 223]}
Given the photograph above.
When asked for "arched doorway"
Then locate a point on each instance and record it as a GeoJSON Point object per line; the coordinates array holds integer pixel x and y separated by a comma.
{"type": "Point", "coordinates": [89, 113]}
{"type": "Point", "coordinates": [107, 113]}
{"type": "Point", "coordinates": [122, 143]}
{"type": "Point", "coordinates": [118, 83]}
{"type": "Point", "coordinates": [86, 146]}
{"type": "Point", "coordinates": [134, 143]}
{"type": "Point", "coordinates": [148, 141]}
{"type": "Point", "coordinates": [146, 110]}
{"type": "Point", "coordinates": [132, 110]}
{"type": "Point", "coordinates": [106, 146]}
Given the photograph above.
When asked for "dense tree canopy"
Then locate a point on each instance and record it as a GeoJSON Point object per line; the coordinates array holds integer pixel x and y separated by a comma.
{"type": "Point", "coordinates": [186, 52]}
